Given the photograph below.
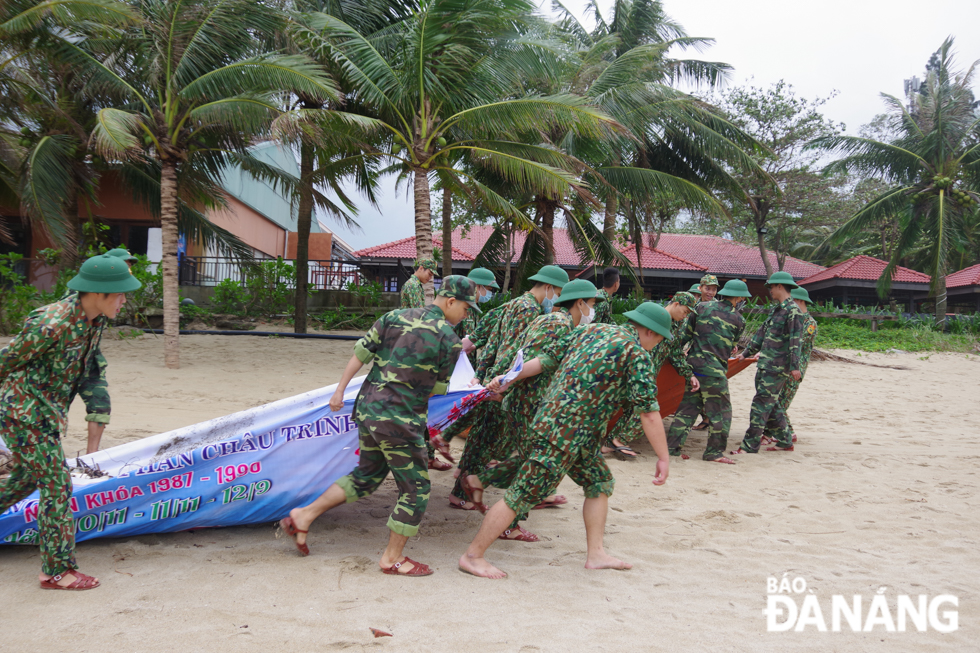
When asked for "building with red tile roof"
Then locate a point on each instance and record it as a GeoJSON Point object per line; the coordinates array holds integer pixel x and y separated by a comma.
{"type": "Point", "coordinates": [855, 281]}
{"type": "Point", "coordinates": [678, 260]}
{"type": "Point", "coordinates": [962, 290]}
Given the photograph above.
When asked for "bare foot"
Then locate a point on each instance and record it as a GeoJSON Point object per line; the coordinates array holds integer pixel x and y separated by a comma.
{"type": "Point", "coordinates": [789, 448]}
{"type": "Point", "coordinates": [302, 523]}
{"type": "Point", "coordinates": [727, 461]}
{"type": "Point", "coordinates": [479, 567]}
{"type": "Point", "coordinates": [605, 561]}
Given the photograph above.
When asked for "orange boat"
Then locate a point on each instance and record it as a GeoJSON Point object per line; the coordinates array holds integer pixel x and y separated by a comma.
{"type": "Point", "coordinates": [670, 387]}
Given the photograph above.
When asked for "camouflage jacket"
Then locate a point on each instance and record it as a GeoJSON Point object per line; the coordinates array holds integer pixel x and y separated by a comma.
{"type": "Point", "coordinates": [505, 334]}
{"type": "Point", "coordinates": [778, 341]}
{"type": "Point", "coordinates": [484, 337]}
{"type": "Point", "coordinates": [413, 295]}
{"type": "Point", "coordinates": [525, 395]}
{"type": "Point", "coordinates": [414, 351]}
{"type": "Point", "coordinates": [714, 331]}
{"type": "Point", "coordinates": [809, 336]}
{"type": "Point", "coordinates": [603, 309]}
{"type": "Point", "coordinates": [44, 367]}
{"type": "Point", "coordinates": [94, 388]}
{"type": "Point", "coordinates": [597, 370]}
{"type": "Point", "coordinates": [672, 350]}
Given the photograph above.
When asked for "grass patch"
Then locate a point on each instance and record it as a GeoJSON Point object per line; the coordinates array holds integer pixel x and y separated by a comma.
{"type": "Point", "coordinates": [848, 334]}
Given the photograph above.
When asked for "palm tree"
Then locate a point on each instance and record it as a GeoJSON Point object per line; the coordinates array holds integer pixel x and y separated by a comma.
{"type": "Point", "coordinates": [448, 81]}
{"type": "Point", "coordinates": [932, 166]}
{"type": "Point", "coordinates": [192, 91]}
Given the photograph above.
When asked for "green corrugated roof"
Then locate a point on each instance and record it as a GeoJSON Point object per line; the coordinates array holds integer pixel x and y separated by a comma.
{"type": "Point", "coordinates": [262, 197]}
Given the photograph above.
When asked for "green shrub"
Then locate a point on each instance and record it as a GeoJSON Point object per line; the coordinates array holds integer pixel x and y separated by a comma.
{"type": "Point", "coordinates": [150, 294]}
{"type": "Point", "coordinates": [17, 299]}
{"type": "Point", "coordinates": [229, 297]}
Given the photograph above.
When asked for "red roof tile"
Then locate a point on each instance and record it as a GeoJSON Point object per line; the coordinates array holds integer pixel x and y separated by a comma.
{"type": "Point", "coordinates": [866, 268]}
{"type": "Point", "coordinates": [654, 259]}
{"type": "Point", "coordinates": [966, 277]}
{"type": "Point", "coordinates": [711, 254]}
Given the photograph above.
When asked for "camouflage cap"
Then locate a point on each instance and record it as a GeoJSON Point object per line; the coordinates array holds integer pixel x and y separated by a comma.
{"type": "Point", "coordinates": [427, 264]}
{"type": "Point", "coordinates": [709, 280]}
{"type": "Point", "coordinates": [456, 286]}
{"type": "Point", "coordinates": [685, 299]}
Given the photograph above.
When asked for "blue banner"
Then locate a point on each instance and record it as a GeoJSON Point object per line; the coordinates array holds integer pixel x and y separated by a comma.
{"type": "Point", "coordinates": [246, 468]}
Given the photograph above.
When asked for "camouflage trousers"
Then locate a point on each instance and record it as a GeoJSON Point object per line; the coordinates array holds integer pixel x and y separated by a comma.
{"type": "Point", "coordinates": [97, 404]}
{"type": "Point", "coordinates": [628, 428]}
{"type": "Point", "coordinates": [542, 472]}
{"type": "Point", "coordinates": [518, 420]}
{"type": "Point", "coordinates": [785, 438]}
{"type": "Point", "coordinates": [41, 466]}
{"type": "Point", "coordinates": [714, 402]}
{"type": "Point", "coordinates": [387, 447]}
{"type": "Point", "coordinates": [767, 412]}
{"type": "Point", "coordinates": [487, 424]}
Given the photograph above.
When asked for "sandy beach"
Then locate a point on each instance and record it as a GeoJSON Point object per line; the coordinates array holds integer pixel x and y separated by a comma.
{"type": "Point", "coordinates": [881, 492]}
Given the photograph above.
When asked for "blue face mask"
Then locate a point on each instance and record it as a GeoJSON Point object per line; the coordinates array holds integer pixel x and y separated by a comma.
{"type": "Point", "coordinates": [548, 303]}
{"type": "Point", "coordinates": [485, 297]}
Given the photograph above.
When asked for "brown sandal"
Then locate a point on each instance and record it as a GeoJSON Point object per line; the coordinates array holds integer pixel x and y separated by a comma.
{"type": "Point", "coordinates": [462, 506]}
{"type": "Point", "coordinates": [417, 570]}
{"type": "Point", "coordinates": [522, 536]}
{"type": "Point", "coordinates": [82, 582]}
{"type": "Point", "coordinates": [468, 490]}
{"type": "Point", "coordinates": [289, 527]}
{"type": "Point", "coordinates": [442, 447]}
{"type": "Point", "coordinates": [560, 500]}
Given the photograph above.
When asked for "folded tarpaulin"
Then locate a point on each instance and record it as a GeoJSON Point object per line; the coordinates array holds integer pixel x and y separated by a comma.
{"type": "Point", "coordinates": [246, 468]}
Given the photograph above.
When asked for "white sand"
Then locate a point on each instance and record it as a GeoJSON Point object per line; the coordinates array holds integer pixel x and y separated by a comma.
{"type": "Point", "coordinates": [881, 491]}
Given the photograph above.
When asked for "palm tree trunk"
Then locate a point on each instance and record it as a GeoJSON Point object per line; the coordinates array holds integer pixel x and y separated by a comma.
{"type": "Point", "coordinates": [941, 302]}
{"type": "Point", "coordinates": [609, 221]}
{"type": "Point", "coordinates": [423, 223]}
{"type": "Point", "coordinates": [510, 255]}
{"type": "Point", "coordinates": [638, 246]}
{"type": "Point", "coordinates": [304, 223]}
{"type": "Point", "coordinates": [171, 291]}
{"type": "Point", "coordinates": [447, 231]}
{"type": "Point", "coordinates": [548, 228]}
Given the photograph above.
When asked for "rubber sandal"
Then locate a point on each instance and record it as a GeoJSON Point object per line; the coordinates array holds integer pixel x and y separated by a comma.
{"type": "Point", "coordinates": [702, 426]}
{"type": "Point", "coordinates": [523, 535]}
{"type": "Point", "coordinates": [82, 582]}
{"type": "Point", "coordinates": [290, 529]}
{"type": "Point", "coordinates": [468, 490]}
{"type": "Point", "coordinates": [560, 500]}
{"type": "Point", "coordinates": [620, 453]}
{"type": "Point", "coordinates": [457, 506]}
{"type": "Point", "coordinates": [789, 448]}
{"type": "Point", "coordinates": [439, 465]}
{"type": "Point", "coordinates": [442, 447]}
{"type": "Point", "coordinates": [418, 570]}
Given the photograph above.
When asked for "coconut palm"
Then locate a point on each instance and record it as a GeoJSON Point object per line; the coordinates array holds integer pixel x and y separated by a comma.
{"type": "Point", "coordinates": [193, 90]}
{"type": "Point", "coordinates": [449, 80]}
{"type": "Point", "coordinates": [932, 167]}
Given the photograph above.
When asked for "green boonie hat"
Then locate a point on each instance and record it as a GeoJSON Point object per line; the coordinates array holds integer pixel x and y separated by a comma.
{"type": "Point", "coordinates": [551, 274]}
{"type": "Point", "coordinates": [695, 289]}
{"type": "Point", "coordinates": [735, 288]}
{"type": "Point", "coordinates": [459, 287]}
{"type": "Point", "coordinates": [652, 316]}
{"type": "Point", "coordinates": [123, 253]}
{"type": "Point", "coordinates": [709, 280]}
{"type": "Point", "coordinates": [104, 273]}
{"type": "Point", "coordinates": [483, 277]}
{"type": "Point", "coordinates": [426, 263]}
{"type": "Point", "coordinates": [782, 278]}
{"type": "Point", "coordinates": [685, 299]}
{"type": "Point", "coordinates": [801, 293]}
{"type": "Point", "coordinates": [577, 289]}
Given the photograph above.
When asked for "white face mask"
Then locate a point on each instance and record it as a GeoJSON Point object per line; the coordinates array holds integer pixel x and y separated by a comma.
{"type": "Point", "coordinates": [587, 318]}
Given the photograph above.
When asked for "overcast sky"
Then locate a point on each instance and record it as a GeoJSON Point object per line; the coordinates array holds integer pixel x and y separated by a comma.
{"type": "Point", "coordinates": [860, 48]}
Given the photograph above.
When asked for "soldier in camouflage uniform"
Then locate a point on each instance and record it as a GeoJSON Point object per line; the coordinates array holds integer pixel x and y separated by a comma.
{"type": "Point", "coordinates": [95, 392]}
{"type": "Point", "coordinates": [599, 369]}
{"type": "Point", "coordinates": [575, 306]}
{"type": "Point", "coordinates": [707, 288]}
{"type": "Point", "coordinates": [41, 371]}
{"type": "Point", "coordinates": [486, 283]}
{"type": "Point", "coordinates": [778, 342]}
{"type": "Point", "coordinates": [414, 352]}
{"type": "Point", "coordinates": [628, 428]}
{"type": "Point", "coordinates": [488, 438]}
{"type": "Point", "coordinates": [610, 285]}
{"type": "Point", "coordinates": [787, 438]}
{"type": "Point", "coordinates": [413, 295]}
{"type": "Point", "coordinates": [715, 332]}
